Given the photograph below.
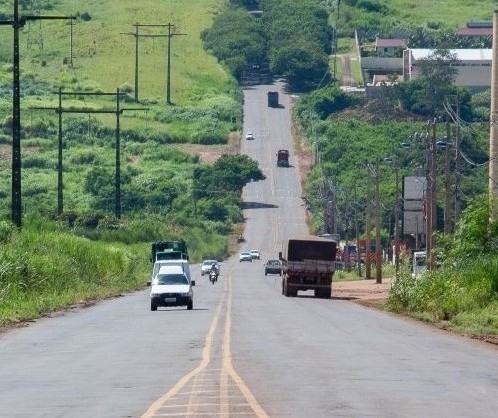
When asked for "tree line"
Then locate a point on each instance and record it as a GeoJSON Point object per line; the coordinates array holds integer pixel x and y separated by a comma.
{"type": "Point", "coordinates": [293, 39]}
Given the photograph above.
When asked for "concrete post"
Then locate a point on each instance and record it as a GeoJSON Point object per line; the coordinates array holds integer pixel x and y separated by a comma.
{"type": "Point", "coordinates": [493, 146]}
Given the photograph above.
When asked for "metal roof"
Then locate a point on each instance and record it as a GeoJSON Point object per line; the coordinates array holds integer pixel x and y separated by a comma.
{"type": "Point", "coordinates": [461, 54]}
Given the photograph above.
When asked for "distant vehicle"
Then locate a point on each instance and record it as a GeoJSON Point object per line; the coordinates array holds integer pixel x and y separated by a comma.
{"type": "Point", "coordinates": [249, 136]}
{"type": "Point", "coordinates": [273, 267]}
{"type": "Point", "coordinates": [308, 264]}
{"type": "Point", "coordinates": [283, 158]}
{"type": "Point", "coordinates": [419, 263]}
{"type": "Point", "coordinates": [245, 256]}
{"type": "Point", "coordinates": [169, 250]}
{"type": "Point", "coordinates": [171, 287]}
{"type": "Point", "coordinates": [206, 266]}
{"type": "Point", "coordinates": [273, 99]}
{"type": "Point", "coordinates": [255, 254]}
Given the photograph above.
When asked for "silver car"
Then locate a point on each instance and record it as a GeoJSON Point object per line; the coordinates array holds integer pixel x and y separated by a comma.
{"type": "Point", "coordinates": [245, 256]}
{"type": "Point", "coordinates": [207, 264]}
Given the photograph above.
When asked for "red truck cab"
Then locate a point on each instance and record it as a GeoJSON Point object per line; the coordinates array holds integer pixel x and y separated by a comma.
{"type": "Point", "coordinates": [283, 158]}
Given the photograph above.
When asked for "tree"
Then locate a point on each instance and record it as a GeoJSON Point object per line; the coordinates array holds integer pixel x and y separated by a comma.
{"type": "Point", "coordinates": [437, 73]}
{"type": "Point", "coordinates": [229, 174]}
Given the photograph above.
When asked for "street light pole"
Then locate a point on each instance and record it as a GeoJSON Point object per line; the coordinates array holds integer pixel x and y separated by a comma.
{"type": "Point", "coordinates": [395, 165]}
{"type": "Point", "coordinates": [430, 193]}
{"type": "Point", "coordinates": [396, 221]}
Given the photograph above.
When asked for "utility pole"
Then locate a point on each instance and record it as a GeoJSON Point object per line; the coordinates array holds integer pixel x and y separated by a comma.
{"type": "Point", "coordinates": [430, 194]}
{"type": "Point", "coordinates": [493, 143]}
{"type": "Point", "coordinates": [395, 165]}
{"type": "Point", "coordinates": [378, 253]}
{"type": "Point", "coordinates": [458, 175]}
{"type": "Point", "coordinates": [357, 230]}
{"type": "Point", "coordinates": [17, 23]}
{"type": "Point", "coordinates": [335, 38]}
{"type": "Point", "coordinates": [447, 188]}
{"type": "Point", "coordinates": [368, 228]}
{"type": "Point", "coordinates": [168, 81]}
{"type": "Point", "coordinates": [168, 66]}
{"type": "Point", "coordinates": [117, 112]}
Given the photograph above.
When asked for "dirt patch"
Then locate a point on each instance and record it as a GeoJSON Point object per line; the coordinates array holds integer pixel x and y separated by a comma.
{"type": "Point", "coordinates": [362, 291]}
{"type": "Point", "coordinates": [210, 153]}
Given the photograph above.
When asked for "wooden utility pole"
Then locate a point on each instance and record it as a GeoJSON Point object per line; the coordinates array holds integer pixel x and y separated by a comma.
{"type": "Point", "coordinates": [493, 143]}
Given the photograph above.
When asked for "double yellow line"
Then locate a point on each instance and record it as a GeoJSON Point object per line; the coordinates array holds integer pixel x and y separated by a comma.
{"type": "Point", "coordinates": [226, 371]}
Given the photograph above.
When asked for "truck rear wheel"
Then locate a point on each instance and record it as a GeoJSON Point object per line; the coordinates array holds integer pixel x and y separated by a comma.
{"type": "Point", "coordinates": [323, 293]}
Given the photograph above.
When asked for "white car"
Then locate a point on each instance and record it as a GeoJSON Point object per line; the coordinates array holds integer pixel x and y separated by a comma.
{"type": "Point", "coordinates": [255, 254]}
{"type": "Point", "coordinates": [171, 287]}
{"type": "Point", "coordinates": [206, 266]}
{"type": "Point", "coordinates": [249, 135]}
{"type": "Point", "coordinates": [245, 256]}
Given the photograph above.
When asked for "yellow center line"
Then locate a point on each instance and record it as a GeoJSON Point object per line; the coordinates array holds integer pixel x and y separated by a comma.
{"type": "Point", "coordinates": [227, 360]}
{"type": "Point", "coordinates": [206, 358]}
{"type": "Point", "coordinates": [227, 371]}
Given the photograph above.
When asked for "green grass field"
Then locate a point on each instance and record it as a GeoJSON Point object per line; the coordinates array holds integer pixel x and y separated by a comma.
{"type": "Point", "coordinates": [450, 12]}
{"type": "Point", "coordinates": [104, 57]}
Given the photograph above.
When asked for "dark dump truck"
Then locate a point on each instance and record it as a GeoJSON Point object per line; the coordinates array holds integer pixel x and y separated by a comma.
{"type": "Point", "coordinates": [273, 99]}
{"type": "Point", "coordinates": [169, 250]}
{"type": "Point", "coordinates": [283, 158]}
{"type": "Point", "coordinates": [308, 264]}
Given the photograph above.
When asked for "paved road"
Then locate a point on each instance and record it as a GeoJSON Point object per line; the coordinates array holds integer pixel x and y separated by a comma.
{"type": "Point", "coordinates": [245, 350]}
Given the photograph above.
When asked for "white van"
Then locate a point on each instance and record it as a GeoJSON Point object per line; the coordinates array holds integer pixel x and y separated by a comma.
{"type": "Point", "coordinates": [171, 287]}
{"type": "Point", "coordinates": [419, 263]}
{"type": "Point", "coordinates": [158, 264]}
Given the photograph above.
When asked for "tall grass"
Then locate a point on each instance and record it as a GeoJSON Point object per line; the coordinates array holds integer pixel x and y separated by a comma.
{"type": "Point", "coordinates": [459, 296]}
{"type": "Point", "coordinates": [42, 270]}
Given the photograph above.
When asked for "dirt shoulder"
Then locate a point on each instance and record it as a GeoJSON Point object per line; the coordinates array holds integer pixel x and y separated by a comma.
{"type": "Point", "coordinates": [365, 292]}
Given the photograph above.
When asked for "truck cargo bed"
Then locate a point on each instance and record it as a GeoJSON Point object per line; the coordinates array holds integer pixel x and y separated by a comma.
{"type": "Point", "coordinates": [310, 266]}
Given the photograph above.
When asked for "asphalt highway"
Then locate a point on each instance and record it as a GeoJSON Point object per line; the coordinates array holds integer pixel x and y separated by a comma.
{"type": "Point", "coordinates": [245, 350]}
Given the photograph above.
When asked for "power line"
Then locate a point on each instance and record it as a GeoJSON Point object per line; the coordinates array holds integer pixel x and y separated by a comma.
{"type": "Point", "coordinates": [17, 23]}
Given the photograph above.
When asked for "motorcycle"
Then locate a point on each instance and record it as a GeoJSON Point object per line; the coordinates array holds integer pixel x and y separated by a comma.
{"type": "Point", "coordinates": [213, 277]}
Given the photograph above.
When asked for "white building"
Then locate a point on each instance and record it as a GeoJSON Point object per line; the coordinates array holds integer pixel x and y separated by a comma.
{"type": "Point", "coordinates": [473, 66]}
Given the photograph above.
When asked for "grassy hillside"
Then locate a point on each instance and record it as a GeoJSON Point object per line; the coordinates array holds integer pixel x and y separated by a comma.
{"type": "Point", "coordinates": [104, 58]}
{"type": "Point", "coordinates": [450, 12]}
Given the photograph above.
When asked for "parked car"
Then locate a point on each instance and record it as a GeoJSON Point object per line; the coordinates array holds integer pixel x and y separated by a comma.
{"type": "Point", "coordinates": [273, 267]}
{"type": "Point", "coordinates": [255, 254]}
{"type": "Point", "coordinates": [249, 135]}
{"type": "Point", "coordinates": [206, 266]}
{"type": "Point", "coordinates": [245, 256]}
{"type": "Point", "coordinates": [171, 287]}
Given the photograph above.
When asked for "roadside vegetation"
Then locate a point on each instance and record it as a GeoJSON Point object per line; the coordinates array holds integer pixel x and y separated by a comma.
{"type": "Point", "coordinates": [88, 253]}
{"type": "Point", "coordinates": [354, 136]}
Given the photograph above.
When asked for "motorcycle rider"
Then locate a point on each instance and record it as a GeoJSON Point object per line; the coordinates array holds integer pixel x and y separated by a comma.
{"type": "Point", "coordinates": [213, 273]}
{"type": "Point", "coordinates": [214, 269]}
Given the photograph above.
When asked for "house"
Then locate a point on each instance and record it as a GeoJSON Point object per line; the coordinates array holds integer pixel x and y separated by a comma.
{"type": "Point", "coordinates": [389, 47]}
